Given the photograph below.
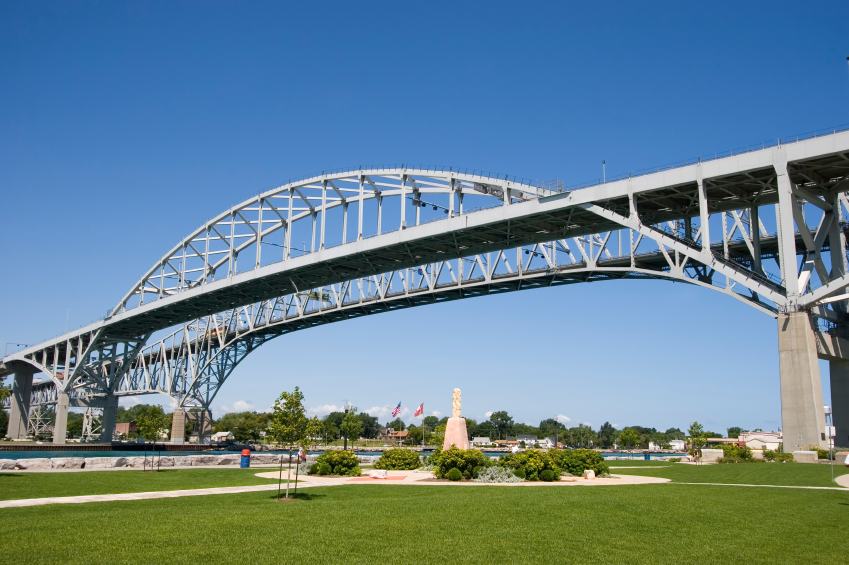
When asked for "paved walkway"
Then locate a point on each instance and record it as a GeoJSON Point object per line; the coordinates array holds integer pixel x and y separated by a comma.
{"type": "Point", "coordinates": [837, 480]}
{"type": "Point", "coordinates": [398, 477]}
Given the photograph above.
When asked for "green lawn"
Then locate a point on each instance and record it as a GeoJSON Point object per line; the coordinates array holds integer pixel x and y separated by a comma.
{"type": "Point", "coordinates": [785, 474]}
{"type": "Point", "coordinates": [15, 486]}
{"type": "Point", "coordinates": [652, 524]}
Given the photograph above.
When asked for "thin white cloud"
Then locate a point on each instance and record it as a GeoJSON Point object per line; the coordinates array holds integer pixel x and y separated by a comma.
{"type": "Point", "coordinates": [323, 410]}
{"type": "Point", "coordinates": [238, 406]}
{"type": "Point", "coordinates": [488, 414]}
{"type": "Point", "coordinates": [587, 424]}
{"type": "Point", "coordinates": [563, 419]}
{"type": "Point", "coordinates": [436, 413]}
{"type": "Point", "coordinates": [615, 426]}
{"type": "Point", "coordinates": [381, 412]}
{"type": "Point", "coordinates": [128, 401]}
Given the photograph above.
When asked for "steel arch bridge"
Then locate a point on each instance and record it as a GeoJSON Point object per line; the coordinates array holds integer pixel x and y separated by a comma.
{"type": "Point", "coordinates": [763, 225]}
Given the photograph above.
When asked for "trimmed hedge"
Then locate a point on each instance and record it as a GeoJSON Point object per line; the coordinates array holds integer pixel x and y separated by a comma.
{"type": "Point", "coordinates": [465, 460]}
{"type": "Point", "coordinates": [454, 474]}
{"type": "Point", "coordinates": [532, 464]}
{"type": "Point", "coordinates": [337, 463]}
{"type": "Point", "coordinates": [576, 461]}
{"type": "Point", "coordinates": [398, 460]}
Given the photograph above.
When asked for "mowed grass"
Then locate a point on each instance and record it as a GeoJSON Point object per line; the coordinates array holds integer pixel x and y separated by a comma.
{"type": "Point", "coordinates": [15, 486]}
{"type": "Point", "coordinates": [782, 474]}
{"type": "Point", "coordinates": [365, 524]}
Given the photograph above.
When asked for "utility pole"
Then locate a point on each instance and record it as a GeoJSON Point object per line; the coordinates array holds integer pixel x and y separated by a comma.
{"type": "Point", "coordinates": [603, 173]}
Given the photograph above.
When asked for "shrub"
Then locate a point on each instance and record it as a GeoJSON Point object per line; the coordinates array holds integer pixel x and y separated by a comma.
{"type": "Point", "coordinates": [465, 460]}
{"type": "Point", "coordinates": [770, 455]}
{"type": "Point", "coordinates": [320, 468]}
{"type": "Point", "coordinates": [497, 475]}
{"type": "Point", "coordinates": [531, 462]}
{"type": "Point", "coordinates": [425, 463]}
{"type": "Point", "coordinates": [576, 461]}
{"type": "Point", "coordinates": [305, 467]}
{"type": "Point", "coordinates": [674, 459]}
{"type": "Point", "coordinates": [339, 462]}
{"type": "Point", "coordinates": [519, 473]}
{"type": "Point", "coordinates": [398, 459]}
{"type": "Point", "coordinates": [476, 471]}
{"type": "Point", "coordinates": [455, 474]}
{"type": "Point", "coordinates": [547, 475]}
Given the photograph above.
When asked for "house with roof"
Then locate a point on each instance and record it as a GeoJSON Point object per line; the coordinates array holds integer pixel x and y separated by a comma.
{"type": "Point", "coordinates": [761, 440]}
{"type": "Point", "coordinates": [223, 436]}
{"type": "Point", "coordinates": [481, 441]}
{"type": "Point", "coordinates": [529, 439]}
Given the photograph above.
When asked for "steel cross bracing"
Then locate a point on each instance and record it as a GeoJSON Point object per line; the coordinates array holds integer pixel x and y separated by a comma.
{"type": "Point", "coordinates": [766, 228]}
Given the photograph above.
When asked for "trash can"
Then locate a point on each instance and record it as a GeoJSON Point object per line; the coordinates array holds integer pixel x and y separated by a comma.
{"type": "Point", "coordinates": [246, 459]}
{"type": "Point", "coordinates": [648, 457]}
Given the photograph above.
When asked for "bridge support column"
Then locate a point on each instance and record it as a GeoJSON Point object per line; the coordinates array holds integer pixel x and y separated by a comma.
{"type": "Point", "coordinates": [802, 414]}
{"type": "Point", "coordinates": [839, 373]}
{"type": "Point", "coordinates": [204, 423]}
{"type": "Point", "coordinates": [110, 416]}
{"type": "Point", "coordinates": [21, 395]}
{"type": "Point", "coordinates": [60, 426]}
{"type": "Point", "coordinates": [178, 426]}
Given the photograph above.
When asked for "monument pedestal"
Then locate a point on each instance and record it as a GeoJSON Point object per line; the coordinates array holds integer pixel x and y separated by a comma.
{"type": "Point", "coordinates": [456, 434]}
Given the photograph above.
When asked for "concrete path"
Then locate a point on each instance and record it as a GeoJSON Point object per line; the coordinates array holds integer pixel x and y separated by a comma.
{"type": "Point", "coordinates": [842, 480]}
{"type": "Point", "coordinates": [134, 496]}
{"type": "Point", "coordinates": [421, 479]}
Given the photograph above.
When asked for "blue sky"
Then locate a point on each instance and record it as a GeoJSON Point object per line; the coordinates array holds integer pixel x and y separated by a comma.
{"type": "Point", "coordinates": [125, 125]}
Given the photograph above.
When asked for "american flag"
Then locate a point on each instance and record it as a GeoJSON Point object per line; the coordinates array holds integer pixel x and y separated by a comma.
{"type": "Point", "coordinates": [397, 410]}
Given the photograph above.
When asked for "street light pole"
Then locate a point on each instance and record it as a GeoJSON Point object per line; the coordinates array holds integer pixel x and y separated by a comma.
{"type": "Point", "coordinates": [603, 173]}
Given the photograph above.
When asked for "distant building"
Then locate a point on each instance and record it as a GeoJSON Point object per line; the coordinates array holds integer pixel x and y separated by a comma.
{"type": "Point", "coordinates": [393, 435]}
{"type": "Point", "coordinates": [125, 428]}
{"type": "Point", "coordinates": [547, 442]}
{"type": "Point", "coordinates": [678, 444]}
{"type": "Point", "coordinates": [483, 441]}
{"type": "Point", "coordinates": [529, 439]}
{"type": "Point", "coordinates": [222, 436]}
{"type": "Point", "coordinates": [761, 440]}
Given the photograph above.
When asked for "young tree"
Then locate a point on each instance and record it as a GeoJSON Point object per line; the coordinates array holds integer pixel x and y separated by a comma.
{"type": "Point", "coordinates": [288, 425]}
{"type": "Point", "coordinates": [150, 422]}
{"type": "Point", "coordinates": [438, 437]}
{"type": "Point", "coordinates": [697, 436]}
{"type": "Point", "coordinates": [629, 438]}
{"type": "Point", "coordinates": [351, 425]}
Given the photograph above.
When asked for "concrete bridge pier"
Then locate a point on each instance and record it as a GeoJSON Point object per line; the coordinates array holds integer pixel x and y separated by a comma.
{"type": "Point", "coordinates": [60, 426]}
{"type": "Point", "coordinates": [802, 413]}
{"type": "Point", "coordinates": [204, 427]}
{"type": "Point", "coordinates": [110, 416]}
{"type": "Point", "coordinates": [20, 402]}
{"type": "Point", "coordinates": [839, 374]}
{"type": "Point", "coordinates": [178, 426]}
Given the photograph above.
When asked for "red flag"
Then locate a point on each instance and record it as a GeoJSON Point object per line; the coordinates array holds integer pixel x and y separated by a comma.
{"type": "Point", "coordinates": [420, 411]}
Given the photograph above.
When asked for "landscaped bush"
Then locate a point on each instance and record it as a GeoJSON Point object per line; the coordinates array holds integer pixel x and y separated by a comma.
{"type": "Point", "coordinates": [320, 468]}
{"type": "Point", "coordinates": [454, 474]}
{"type": "Point", "coordinates": [476, 471]}
{"type": "Point", "coordinates": [425, 463]}
{"type": "Point", "coordinates": [547, 476]}
{"type": "Point", "coordinates": [338, 463]}
{"type": "Point", "coordinates": [520, 473]}
{"type": "Point", "coordinates": [531, 463]}
{"type": "Point", "coordinates": [770, 455]}
{"type": "Point", "coordinates": [737, 454]}
{"type": "Point", "coordinates": [304, 468]}
{"type": "Point", "coordinates": [497, 475]}
{"type": "Point", "coordinates": [398, 460]}
{"type": "Point", "coordinates": [674, 459]}
{"type": "Point", "coordinates": [463, 459]}
{"type": "Point", "coordinates": [576, 461]}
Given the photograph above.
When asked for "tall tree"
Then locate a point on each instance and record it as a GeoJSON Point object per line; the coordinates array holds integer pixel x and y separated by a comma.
{"type": "Point", "coordinates": [397, 424]}
{"type": "Point", "coordinates": [674, 433]}
{"type": "Point", "coordinates": [629, 438]}
{"type": "Point", "coordinates": [606, 434]}
{"type": "Point", "coordinates": [288, 425]}
{"type": "Point", "coordinates": [735, 432]}
{"type": "Point", "coordinates": [502, 422]}
{"type": "Point", "coordinates": [370, 425]}
{"type": "Point", "coordinates": [430, 421]}
{"type": "Point", "coordinates": [150, 422]}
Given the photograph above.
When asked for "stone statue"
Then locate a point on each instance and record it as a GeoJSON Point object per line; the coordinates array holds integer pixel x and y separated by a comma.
{"type": "Point", "coordinates": [455, 430]}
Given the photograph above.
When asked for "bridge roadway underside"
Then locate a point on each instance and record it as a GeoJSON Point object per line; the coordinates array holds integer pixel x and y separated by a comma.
{"type": "Point", "coordinates": [662, 205]}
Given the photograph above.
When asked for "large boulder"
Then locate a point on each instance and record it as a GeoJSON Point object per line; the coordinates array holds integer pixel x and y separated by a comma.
{"type": "Point", "coordinates": [8, 464]}
{"type": "Point", "coordinates": [119, 462]}
{"type": "Point", "coordinates": [98, 462]}
{"type": "Point", "coordinates": [709, 455]}
{"type": "Point", "coordinates": [228, 459]}
{"type": "Point", "coordinates": [67, 462]}
{"type": "Point", "coordinates": [182, 461]}
{"type": "Point", "coordinates": [264, 459]}
{"type": "Point", "coordinates": [805, 456]}
{"type": "Point", "coordinates": [201, 460]}
{"type": "Point", "coordinates": [36, 463]}
{"type": "Point", "coordinates": [165, 461]}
